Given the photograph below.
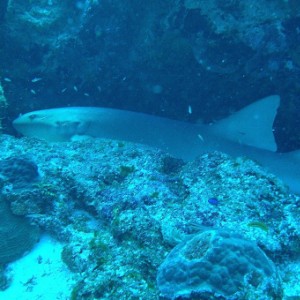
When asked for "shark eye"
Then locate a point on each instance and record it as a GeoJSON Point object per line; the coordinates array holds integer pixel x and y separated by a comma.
{"type": "Point", "coordinates": [37, 116]}
{"type": "Point", "coordinates": [33, 116]}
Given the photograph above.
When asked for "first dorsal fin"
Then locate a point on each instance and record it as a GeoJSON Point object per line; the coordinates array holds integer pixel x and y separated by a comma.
{"type": "Point", "coordinates": [252, 125]}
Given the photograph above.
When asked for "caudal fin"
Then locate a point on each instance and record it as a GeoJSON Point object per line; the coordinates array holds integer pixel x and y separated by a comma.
{"type": "Point", "coordinates": [252, 125]}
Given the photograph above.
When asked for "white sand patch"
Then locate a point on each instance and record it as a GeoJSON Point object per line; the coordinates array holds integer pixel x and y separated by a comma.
{"type": "Point", "coordinates": [40, 274]}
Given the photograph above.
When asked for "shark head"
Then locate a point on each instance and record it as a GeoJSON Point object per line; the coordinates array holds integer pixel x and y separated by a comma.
{"type": "Point", "coordinates": [56, 125]}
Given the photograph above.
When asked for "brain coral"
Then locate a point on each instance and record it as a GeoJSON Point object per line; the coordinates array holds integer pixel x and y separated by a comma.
{"type": "Point", "coordinates": [20, 171]}
{"type": "Point", "coordinates": [217, 264]}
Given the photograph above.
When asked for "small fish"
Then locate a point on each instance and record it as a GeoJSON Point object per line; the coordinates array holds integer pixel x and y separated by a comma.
{"type": "Point", "coordinates": [259, 225]}
{"type": "Point", "coordinates": [7, 79]}
{"type": "Point", "coordinates": [86, 94]}
{"type": "Point", "coordinates": [36, 79]}
{"type": "Point", "coordinates": [75, 88]}
{"type": "Point", "coordinates": [213, 201]}
{"type": "Point", "coordinates": [200, 137]}
{"type": "Point", "coordinates": [33, 92]}
{"type": "Point", "coordinates": [63, 90]}
{"type": "Point", "coordinates": [190, 111]}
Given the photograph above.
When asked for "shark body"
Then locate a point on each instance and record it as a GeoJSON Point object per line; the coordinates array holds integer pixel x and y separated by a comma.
{"type": "Point", "coordinates": [246, 133]}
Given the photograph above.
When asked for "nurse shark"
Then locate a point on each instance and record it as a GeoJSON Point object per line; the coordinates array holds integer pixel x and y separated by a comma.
{"type": "Point", "coordinates": [247, 132]}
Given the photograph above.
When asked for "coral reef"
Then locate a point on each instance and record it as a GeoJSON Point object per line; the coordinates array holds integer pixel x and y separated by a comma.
{"type": "Point", "coordinates": [121, 209]}
{"type": "Point", "coordinates": [18, 171]}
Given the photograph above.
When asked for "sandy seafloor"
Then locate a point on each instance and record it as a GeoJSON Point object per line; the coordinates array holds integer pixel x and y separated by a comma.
{"type": "Point", "coordinates": [110, 212]}
{"type": "Point", "coordinates": [40, 274]}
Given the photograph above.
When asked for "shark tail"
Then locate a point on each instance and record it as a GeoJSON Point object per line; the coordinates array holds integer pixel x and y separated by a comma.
{"type": "Point", "coordinates": [252, 125]}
